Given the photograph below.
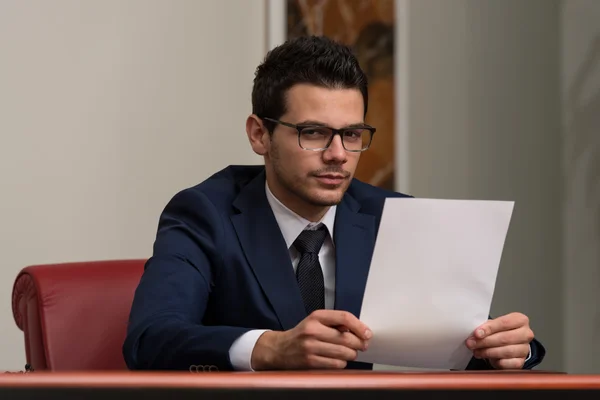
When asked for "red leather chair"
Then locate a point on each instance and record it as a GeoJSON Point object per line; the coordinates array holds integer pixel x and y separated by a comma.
{"type": "Point", "coordinates": [74, 315]}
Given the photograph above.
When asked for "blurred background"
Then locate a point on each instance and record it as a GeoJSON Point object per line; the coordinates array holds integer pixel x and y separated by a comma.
{"type": "Point", "coordinates": [109, 107]}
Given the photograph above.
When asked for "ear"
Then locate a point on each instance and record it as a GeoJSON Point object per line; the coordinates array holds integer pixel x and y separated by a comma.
{"type": "Point", "coordinates": [257, 135]}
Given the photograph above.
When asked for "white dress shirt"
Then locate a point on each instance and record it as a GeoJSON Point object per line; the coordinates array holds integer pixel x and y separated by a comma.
{"type": "Point", "coordinates": [291, 225]}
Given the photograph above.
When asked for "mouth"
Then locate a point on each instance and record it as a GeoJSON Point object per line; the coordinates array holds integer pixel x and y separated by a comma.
{"type": "Point", "coordinates": [331, 179]}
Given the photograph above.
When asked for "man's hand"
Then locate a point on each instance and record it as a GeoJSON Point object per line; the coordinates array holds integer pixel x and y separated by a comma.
{"type": "Point", "coordinates": [326, 339]}
{"type": "Point", "coordinates": [503, 341]}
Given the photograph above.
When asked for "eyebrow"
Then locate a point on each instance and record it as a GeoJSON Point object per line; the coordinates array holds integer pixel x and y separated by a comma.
{"type": "Point", "coordinates": [318, 123]}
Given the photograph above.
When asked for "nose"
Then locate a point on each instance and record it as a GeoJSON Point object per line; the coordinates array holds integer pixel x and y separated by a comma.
{"type": "Point", "coordinates": [335, 153]}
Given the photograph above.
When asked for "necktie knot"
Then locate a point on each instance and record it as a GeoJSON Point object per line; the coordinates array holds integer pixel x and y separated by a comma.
{"type": "Point", "coordinates": [310, 241]}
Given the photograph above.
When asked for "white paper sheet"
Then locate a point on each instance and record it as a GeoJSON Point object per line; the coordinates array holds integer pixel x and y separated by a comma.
{"type": "Point", "coordinates": [432, 279]}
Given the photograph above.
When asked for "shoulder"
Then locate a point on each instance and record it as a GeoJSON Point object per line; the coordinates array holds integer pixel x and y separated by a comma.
{"type": "Point", "coordinates": [370, 199]}
{"type": "Point", "coordinates": [362, 191]}
{"type": "Point", "coordinates": [221, 188]}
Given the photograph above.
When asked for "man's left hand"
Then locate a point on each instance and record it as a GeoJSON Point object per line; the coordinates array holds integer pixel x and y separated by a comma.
{"type": "Point", "coordinates": [503, 341]}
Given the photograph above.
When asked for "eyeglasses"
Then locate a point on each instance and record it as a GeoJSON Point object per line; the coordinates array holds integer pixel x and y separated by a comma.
{"type": "Point", "coordinates": [319, 138]}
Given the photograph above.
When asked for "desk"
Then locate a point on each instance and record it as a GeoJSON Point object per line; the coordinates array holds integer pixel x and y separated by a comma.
{"type": "Point", "coordinates": [347, 385]}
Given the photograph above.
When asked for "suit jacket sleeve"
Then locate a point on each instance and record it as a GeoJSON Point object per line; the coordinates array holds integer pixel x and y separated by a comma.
{"type": "Point", "coordinates": [166, 329]}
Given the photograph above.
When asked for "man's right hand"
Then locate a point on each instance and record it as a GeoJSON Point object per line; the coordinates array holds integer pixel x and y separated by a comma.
{"type": "Point", "coordinates": [326, 339]}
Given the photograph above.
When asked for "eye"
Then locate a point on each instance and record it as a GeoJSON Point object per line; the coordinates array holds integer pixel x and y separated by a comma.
{"type": "Point", "coordinates": [314, 131]}
{"type": "Point", "coordinates": [354, 134]}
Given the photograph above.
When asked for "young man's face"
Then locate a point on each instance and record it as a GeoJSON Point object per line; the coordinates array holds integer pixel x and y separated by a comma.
{"type": "Point", "coordinates": [305, 180]}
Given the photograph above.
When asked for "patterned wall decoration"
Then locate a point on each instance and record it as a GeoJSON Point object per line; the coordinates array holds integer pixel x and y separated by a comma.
{"type": "Point", "coordinates": [368, 27]}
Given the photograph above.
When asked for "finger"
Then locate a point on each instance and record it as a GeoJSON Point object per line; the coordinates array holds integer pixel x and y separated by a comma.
{"type": "Point", "coordinates": [507, 338]}
{"type": "Point", "coordinates": [508, 363]}
{"type": "Point", "coordinates": [314, 361]}
{"type": "Point", "coordinates": [314, 329]}
{"type": "Point", "coordinates": [506, 352]}
{"type": "Point", "coordinates": [336, 318]}
{"type": "Point", "coordinates": [336, 335]}
{"type": "Point", "coordinates": [330, 350]}
{"type": "Point", "coordinates": [500, 324]}
{"type": "Point", "coordinates": [347, 339]}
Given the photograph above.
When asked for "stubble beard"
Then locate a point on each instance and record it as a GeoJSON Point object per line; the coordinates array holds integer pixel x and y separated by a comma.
{"type": "Point", "coordinates": [299, 187]}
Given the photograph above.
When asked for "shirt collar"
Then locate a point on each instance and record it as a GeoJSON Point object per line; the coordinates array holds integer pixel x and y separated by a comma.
{"type": "Point", "coordinates": [291, 224]}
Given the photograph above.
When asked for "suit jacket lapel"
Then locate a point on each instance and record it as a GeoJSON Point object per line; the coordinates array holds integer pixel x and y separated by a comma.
{"type": "Point", "coordinates": [354, 243]}
{"type": "Point", "coordinates": [266, 251]}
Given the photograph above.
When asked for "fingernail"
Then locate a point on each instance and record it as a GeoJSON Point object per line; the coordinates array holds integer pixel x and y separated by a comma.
{"type": "Point", "coordinates": [471, 343]}
{"type": "Point", "coordinates": [368, 334]}
{"type": "Point", "coordinates": [480, 333]}
{"type": "Point", "coordinates": [365, 347]}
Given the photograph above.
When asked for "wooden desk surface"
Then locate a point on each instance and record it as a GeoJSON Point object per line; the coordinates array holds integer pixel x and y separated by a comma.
{"type": "Point", "coordinates": [371, 380]}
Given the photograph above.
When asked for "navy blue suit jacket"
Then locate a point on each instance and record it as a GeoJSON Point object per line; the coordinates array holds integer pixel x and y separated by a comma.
{"type": "Point", "coordinates": [220, 267]}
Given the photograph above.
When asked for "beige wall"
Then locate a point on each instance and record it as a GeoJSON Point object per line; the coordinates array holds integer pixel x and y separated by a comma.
{"type": "Point", "coordinates": [107, 108]}
{"type": "Point", "coordinates": [580, 79]}
{"type": "Point", "coordinates": [482, 109]}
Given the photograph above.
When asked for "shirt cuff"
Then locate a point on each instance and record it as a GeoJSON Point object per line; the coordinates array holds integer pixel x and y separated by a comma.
{"type": "Point", "coordinates": [240, 352]}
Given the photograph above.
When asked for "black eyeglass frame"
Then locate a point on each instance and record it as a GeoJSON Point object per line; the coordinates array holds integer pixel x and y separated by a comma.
{"type": "Point", "coordinates": [334, 132]}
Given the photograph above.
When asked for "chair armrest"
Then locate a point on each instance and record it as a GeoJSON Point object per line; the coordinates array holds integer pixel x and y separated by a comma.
{"type": "Point", "coordinates": [26, 312]}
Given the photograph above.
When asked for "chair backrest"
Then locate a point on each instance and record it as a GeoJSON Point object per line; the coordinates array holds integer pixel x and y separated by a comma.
{"type": "Point", "coordinates": [74, 315]}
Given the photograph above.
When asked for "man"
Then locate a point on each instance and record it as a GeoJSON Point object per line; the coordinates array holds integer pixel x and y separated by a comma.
{"type": "Point", "coordinates": [264, 267]}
